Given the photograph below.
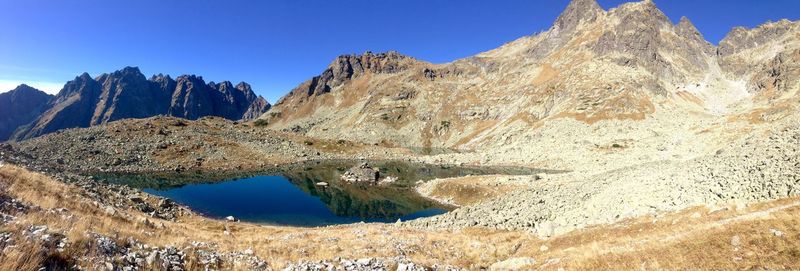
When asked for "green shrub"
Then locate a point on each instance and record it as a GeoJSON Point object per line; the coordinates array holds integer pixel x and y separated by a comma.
{"type": "Point", "coordinates": [261, 122]}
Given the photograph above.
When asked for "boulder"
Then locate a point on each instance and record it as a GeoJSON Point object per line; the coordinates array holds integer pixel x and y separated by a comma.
{"type": "Point", "coordinates": [363, 173]}
{"type": "Point", "coordinates": [521, 263]}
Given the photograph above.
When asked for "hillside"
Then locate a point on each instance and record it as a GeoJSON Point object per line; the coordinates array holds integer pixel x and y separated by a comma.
{"type": "Point", "coordinates": [591, 71]}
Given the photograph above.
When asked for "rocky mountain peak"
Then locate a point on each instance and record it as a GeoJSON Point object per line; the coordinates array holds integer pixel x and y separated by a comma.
{"type": "Point", "coordinates": [686, 26]}
{"type": "Point", "coordinates": [740, 38]}
{"type": "Point", "coordinates": [129, 70]}
{"type": "Point", "coordinates": [687, 30]}
{"type": "Point", "coordinates": [84, 77]}
{"type": "Point", "coordinates": [243, 86]}
{"type": "Point", "coordinates": [161, 78]}
{"type": "Point", "coordinates": [23, 88]}
{"type": "Point", "coordinates": [224, 86]}
{"type": "Point", "coordinates": [19, 107]}
{"type": "Point", "coordinates": [576, 12]}
{"type": "Point", "coordinates": [642, 13]}
{"type": "Point", "coordinates": [346, 67]}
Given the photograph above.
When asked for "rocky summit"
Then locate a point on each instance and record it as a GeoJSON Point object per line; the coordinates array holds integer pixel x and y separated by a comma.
{"type": "Point", "coordinates": [123, 94]}
{"type": "Point", "coordinates": [19, 107]}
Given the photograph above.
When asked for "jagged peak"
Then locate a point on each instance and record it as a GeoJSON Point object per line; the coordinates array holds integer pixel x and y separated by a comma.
{"type": "Point", "coordinates": [577, 11]}
{"type": "Point", "coordinates": [129, 69]}
{"type": "Point", "coordinates": [24, 87]}
{"type": "Point", "coordinates": [190, 77]}
{"type": "Point", "coordinates": [370, 55]}
{"type": "Point", "coordinates": [783, 23]}
{"type": "Point", "coordinates": [160, 77]}
{"type": "Point", "coordinates": [224, 86]}
{"type": "Point", "coordinates": [244, 86]}
{"type": "Point", "coordinates": [685, 27]}
{"type": "Point", "coordinates": [685, 21]}
{"type": "Point", "coordinates": [642, 6]}
{"type": "Point", "coordinates": [741, 38]}
{"type": "Point", "coordinates": [642, 12]}
{"type": "Point", "coordinates": [84, 77]}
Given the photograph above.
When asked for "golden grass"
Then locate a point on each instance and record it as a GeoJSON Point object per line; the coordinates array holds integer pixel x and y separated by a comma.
{"type": "Point", "coordinates": [689, 239]}
{"type": "Point", "coordinates": [470, 190]}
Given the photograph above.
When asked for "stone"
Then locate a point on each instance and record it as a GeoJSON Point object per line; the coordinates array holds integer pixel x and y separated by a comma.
{"type": "Point", "coordinates": [362, 173]}
{"type": "Point", "coordinates": [110, 210]}
{"type": "Point", "coordinates": [520, 263]}
{"type": "Point", "coordinates": [736, 241]}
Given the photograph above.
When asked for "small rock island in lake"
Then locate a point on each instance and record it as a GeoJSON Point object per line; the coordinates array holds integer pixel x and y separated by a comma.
{"type": "Point", "coordinates": [364, 173]}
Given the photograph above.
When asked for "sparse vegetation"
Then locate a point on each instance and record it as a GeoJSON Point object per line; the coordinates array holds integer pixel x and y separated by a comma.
{"type": "Point", "coordinates": [260, 122]}
{"type": "Point", "coordinates": [668, 241]}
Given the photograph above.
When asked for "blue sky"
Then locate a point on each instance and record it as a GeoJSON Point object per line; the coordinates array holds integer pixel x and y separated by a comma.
{"type": "Point", "coordinates": [275, 45]}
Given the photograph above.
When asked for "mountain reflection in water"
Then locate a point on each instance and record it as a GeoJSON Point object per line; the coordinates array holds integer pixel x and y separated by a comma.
{"type": "Point", "coordinates": [289, 195]}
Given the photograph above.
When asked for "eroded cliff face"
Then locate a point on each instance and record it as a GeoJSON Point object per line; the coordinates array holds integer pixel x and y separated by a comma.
{"type": "Point", "coordinates": [766, 56]}
{"type": "Point", "coordinates": [126, 93]}
{"type": "Point", "coordinates": [591, 66]}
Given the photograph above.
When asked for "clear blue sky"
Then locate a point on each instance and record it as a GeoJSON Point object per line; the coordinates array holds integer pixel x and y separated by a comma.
{"type": "Point", "coordinates": [276, 45]}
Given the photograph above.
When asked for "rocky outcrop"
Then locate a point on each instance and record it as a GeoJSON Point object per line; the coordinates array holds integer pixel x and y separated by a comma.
{"type": "Point", "coordinates": [644, 36]}
{"type": "Point", "coordinates": [126, 93]}
{"type": "Point", "coordinates": [19, 107]}
{"type": "Point", "coordinates": [577, 12]}
{"type": "Point", "coordinates": [347, 67]}
{"type": "Point", "coordinates": [780, 74]}
{"type": "Point", "coordinates": [362, 173]}
{"type": "Point", "coordinates": [743, 48]}
{"type": "Point", "coordinates": [741, 39]}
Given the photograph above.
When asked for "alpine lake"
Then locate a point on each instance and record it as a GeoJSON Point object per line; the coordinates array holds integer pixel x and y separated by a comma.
{"type": "Point", "coordinates": [292, 195]}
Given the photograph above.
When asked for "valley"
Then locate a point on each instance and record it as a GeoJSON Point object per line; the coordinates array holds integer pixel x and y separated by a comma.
{"type": "Point", "coordinates": [614, 140]}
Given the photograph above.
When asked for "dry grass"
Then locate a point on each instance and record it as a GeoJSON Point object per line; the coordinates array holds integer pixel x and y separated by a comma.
{"type": "Point", "coordinates": [690, 239]}
{"type": "Point", "coordinates": [469, 190]}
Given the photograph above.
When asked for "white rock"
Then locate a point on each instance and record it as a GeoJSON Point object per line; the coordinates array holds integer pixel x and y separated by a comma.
{"type": "Point", "coordinates": [521, 263]}
{"type": "Point", "coordinates": [230, 218]}
{"type": "Point", "coordinates": [110, 210]}
{"type": "Point", "coordinates": [543, 248]}
{"type": "Point", "coordinates": [364, 261]}
{"type": "Point", "coordinates": [736, 241]}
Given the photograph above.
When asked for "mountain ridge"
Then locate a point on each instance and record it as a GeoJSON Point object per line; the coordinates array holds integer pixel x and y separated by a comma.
{"type": "Point", "coordinates": [592, 65]}
{"type": "Point", "coordinates": [19, 107]}
{"type": "Point", "coordinates": [127, 93]}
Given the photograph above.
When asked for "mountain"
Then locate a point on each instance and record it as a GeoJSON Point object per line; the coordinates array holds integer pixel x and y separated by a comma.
{"type": "Point", "coordinates": [87, 101]}
{"type": "Point", "coordinates": [593, 66]}
{"type": "Point", "coordinates": [19, 107]}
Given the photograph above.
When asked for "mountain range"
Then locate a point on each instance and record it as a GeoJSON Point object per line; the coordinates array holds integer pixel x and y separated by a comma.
{"type": "Point", "coordinates": [87, 101]}
{"type": "Point", "coordinates": [628, 63]}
